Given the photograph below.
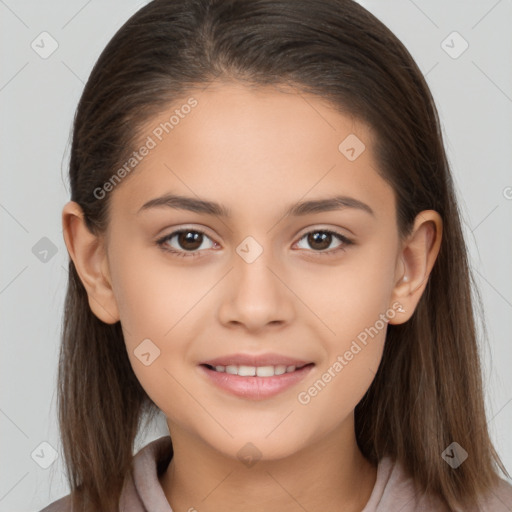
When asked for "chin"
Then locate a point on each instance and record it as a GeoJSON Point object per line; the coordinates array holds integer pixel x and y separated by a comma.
{"type": "Point", "coordinates": [251, 446]}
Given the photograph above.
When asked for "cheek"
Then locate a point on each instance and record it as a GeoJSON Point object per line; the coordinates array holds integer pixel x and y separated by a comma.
{"type": "Point", "coordinates": [152, 296]}
{"type": "Point", "coordinates": [353, 355]}
{"type": "Point", "coordinates": [357, 310]}
{"type": "Point", "coordinates": [349, 297]}
{"type": "Point", "coordinates": [159, 309]}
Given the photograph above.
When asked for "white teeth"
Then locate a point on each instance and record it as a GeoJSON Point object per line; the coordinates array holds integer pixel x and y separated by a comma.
{"type": "Point", "coordinates": [247, 371]}
{"type": "Point", "coordinates": [265, 371]}
{"type": "Point", "coordinates": [251, 371]}
{"type": "Point", "coordinates": [280, 369]}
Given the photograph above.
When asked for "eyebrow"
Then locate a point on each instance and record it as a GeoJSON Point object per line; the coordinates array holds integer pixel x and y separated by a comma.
{"type": "Point", "coordinates": [212, 208]}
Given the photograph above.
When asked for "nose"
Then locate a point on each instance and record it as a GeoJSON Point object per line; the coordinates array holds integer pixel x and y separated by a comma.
{"type": "Point", "coordinates": [255, 295]}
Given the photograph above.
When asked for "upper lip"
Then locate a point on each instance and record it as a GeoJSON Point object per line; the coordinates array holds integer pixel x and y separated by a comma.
{"type": "Point", "coordinates": [255, 360]}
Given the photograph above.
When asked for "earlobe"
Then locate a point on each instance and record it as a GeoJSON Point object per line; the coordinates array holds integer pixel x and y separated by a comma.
{"type": "Point", "coordinates": [89, 257]}
{"type": "Point", "coordinates": [416, 260]}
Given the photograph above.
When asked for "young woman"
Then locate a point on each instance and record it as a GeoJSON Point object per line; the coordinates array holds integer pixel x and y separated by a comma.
{"type": "Point", "coordinates": [265, 245]}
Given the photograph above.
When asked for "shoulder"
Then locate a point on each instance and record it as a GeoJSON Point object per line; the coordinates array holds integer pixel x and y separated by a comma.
{"type": "Point", "coordinates": [141, 488]}
{"type": "Point", "coordinates": [61, 505]}
{"type": "Point", "coordinates": [396, 490]}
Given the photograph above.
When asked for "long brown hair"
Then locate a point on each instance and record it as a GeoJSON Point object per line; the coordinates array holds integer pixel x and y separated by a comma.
{"type": "Point", "coordinates": [428, 388]}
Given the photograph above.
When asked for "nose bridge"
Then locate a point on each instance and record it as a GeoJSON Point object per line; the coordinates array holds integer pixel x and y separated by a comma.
{"type": "Point", "coordinates": [254, 280]}
{"type": "Point", "coordinates": [254, 295]}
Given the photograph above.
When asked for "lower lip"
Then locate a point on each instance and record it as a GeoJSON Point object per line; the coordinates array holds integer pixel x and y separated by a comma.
{"type": "Point", "coordinates": [256, 388]}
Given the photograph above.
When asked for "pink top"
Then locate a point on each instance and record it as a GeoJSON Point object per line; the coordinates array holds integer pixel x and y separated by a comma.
{"type": "Point", "coordinates": [393, 489]}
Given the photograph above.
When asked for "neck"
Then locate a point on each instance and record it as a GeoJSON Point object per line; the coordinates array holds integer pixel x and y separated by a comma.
{"type": "Point", "coordinates": [330, 475]}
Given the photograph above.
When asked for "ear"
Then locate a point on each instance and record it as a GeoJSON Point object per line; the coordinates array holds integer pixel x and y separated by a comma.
{"type": "Point", "coordinates": [416, 259]}
{"type": "Point", "coordinates": [89, 256]}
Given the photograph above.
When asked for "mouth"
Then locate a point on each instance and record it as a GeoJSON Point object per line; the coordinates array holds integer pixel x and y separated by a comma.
{"type": "Point", "coordinates": [255, 378]}
{"type": "Point", "coordinates": [256, 371]}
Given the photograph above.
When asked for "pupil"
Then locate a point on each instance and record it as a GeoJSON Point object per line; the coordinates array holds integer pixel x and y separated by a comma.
{"type": "Point", "coordinates": [324, 238]}
{"type": "Point", "coordinates": [190, 240]}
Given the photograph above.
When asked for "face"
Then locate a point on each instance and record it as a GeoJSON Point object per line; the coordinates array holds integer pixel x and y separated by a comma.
{"type": "Point", "coordinates": [278, 280]}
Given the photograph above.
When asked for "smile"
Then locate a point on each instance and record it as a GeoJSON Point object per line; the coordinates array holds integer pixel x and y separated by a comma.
{"type": "Point", "coordinates": [254, 371]}
{"type": "Point", "coordinates": [254, 381]}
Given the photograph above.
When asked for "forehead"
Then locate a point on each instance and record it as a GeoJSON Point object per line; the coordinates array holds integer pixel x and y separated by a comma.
{"type": "Point", "coordinates": [254, 147]}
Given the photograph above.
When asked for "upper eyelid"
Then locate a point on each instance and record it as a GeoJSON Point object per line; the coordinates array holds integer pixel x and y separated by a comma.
{"type": "Point", "coordinates": [176, 231]}
{"type": "Point", "coordinates": [314, 229]}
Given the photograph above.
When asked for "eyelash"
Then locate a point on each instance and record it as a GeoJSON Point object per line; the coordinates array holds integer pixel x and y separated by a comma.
{"type": "Point", "coordinates": [162, 242]}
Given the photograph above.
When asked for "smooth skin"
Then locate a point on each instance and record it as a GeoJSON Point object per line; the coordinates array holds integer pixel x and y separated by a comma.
{"type": "Point", "coordinates": [256, 151]}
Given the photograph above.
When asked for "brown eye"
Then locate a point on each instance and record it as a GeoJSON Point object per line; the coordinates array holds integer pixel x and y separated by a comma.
{"type": "Point", "coordinates": [190, 240]}
{"type": "Point", "coordinates": [184, 242]}
{"type": "Point", "coordinates": [322, 239]}
{"type": "Point", "coordinates": [319, 240]}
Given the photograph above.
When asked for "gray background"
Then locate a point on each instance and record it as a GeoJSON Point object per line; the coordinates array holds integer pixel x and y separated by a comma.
{"type": "Point", "coordinates": [38, 97]}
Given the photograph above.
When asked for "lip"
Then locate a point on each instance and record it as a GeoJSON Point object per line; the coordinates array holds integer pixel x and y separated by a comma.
{"type": "Point", "coordinates": [255, 388]}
